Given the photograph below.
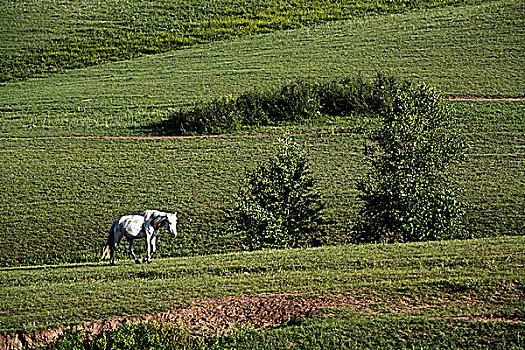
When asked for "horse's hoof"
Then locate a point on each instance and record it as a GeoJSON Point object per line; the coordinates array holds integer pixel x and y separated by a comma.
{"type": "Point", "coordinates": [137, 261]}
{"type": "Point", "coordinates": [149, 261]}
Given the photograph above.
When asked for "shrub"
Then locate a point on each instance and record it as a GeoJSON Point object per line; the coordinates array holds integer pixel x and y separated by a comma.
{"type": "Point", "coordinates": [278, 207]}
{"type": "Point", "coordinates": [213, 117]}
{"type": "Point", "coordinates": [355, 95]}
{"type": "Point", "coordinates": [407, 193]}
{"type": "Point", "coordinates": [294, 103]}
{"type": "Point", "coordinates": [147, 335]}
{"type": "Point", "coordinates": [297, 102]}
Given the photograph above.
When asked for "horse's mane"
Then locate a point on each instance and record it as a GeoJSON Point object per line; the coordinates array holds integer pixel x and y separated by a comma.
{"type": "Point", "coordinates": [156, 218]}
{"type": "Point", "coordinates": [148, 214]}
{"type": "Point", "coordinates": [158, 221]}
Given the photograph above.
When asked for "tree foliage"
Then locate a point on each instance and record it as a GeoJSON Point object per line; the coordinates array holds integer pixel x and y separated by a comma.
{"type": "Point", "coordinates": [278, 206]}
{"type": "Point", "coordinates": [408, 193]}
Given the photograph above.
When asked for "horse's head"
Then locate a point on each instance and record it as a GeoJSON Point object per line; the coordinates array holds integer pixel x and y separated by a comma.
{"type": "Point", "coordinates": [171, 224]}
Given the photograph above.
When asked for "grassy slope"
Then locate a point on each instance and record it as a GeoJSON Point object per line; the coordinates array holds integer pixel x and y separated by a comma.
{"type": "Point", "coordinates": [60, 187]}
{"type": "Point", "coordinates": [42, 36]}
{"type": "Point", "coordinates": [55, 183]}
{"type": "Point", "coordinates": [429, 287]}
{"type": "Point", "coordinates": [464, 50]}
{"type": "Point", "coordinates": [68, 191]}
{"type": "Point", "coordinates": [71, 188]}
{"type": "Point", "coordinates": [493, 173]}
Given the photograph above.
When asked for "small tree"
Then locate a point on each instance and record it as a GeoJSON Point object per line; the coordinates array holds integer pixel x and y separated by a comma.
{"type": "Point", "coordinates": [408, 193]}
{"type": "Point", "coordinates": [278, 206]}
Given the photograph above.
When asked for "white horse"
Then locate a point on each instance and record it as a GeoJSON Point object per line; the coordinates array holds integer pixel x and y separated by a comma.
{"type": "Point", "coordinates": [145, 225]}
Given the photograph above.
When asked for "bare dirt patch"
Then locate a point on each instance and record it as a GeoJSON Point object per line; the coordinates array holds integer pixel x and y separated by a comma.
{"type": "Point", "coordinates": [264, 311]}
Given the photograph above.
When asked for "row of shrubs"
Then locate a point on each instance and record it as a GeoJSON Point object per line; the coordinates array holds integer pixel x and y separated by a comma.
{"type": "Point", "coordinates": [297, 102]}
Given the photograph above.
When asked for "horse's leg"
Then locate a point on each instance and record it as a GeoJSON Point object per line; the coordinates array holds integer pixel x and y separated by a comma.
{"type": "Point", "coordinates": [153, 246]}
{"type": "Point", "coordinates": [149, 241]}
{"type": "Point", "coordinates": [149, 237]}
{"type": "Point", "coordinates": [118, 237]}
{"type": "Point", "coordinates": [112, 255]}
{"type": "Point", "coordinates": [132, 250]}
{"type": "Point", "coordinates": [112, 250]}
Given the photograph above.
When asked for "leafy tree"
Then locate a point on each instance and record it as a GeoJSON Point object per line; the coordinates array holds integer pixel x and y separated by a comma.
{"type": "Point", "coordinates": [408, 193]}
{"type": "Point", "coordinates": [278, 206]}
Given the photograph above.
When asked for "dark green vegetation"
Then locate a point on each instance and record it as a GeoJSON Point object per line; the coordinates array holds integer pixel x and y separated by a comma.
{"type": "Point", "coordinates": [43, 36]}
{"type": "Point", "coordinates": [150, 335]}
{"type": "Point", "coordinates": [278, 205]}
{"type": "Point", "coordinates": [453, 293]}
{"type": "Point", "coordinates": [408, 192]}
{"type": "Point", "coordinates": [463, 50]}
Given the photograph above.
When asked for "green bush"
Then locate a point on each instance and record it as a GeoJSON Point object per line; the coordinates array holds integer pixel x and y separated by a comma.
{"type": "Point", "coordinates": [278, 206]}
{"type": "Point", "coordinates": [147, 335]}
{"type": "Point", "coordinates": [407, 193]}
{"type": "Point", "coordinates": [293, 103]}
{"type": "Point", "coordinates": [297, 102]}
{"type": "Point", "coordinates": [355, 95]}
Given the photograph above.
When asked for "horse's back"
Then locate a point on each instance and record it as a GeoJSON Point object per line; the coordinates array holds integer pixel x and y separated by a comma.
{"type": "Point", "coordinates": [132, 226]}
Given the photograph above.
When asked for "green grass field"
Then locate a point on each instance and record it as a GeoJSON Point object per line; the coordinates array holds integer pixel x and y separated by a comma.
{"type": "Point", "coordinates": [63, 181]}
{"type": "Point", "coordinates": [430, 288]}
{"type": "Point", "coordinates": [463, 50]}
{"type": "Point", "coordinates": [41, 36]}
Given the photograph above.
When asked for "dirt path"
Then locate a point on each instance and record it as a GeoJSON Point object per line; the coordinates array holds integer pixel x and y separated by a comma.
{"type": "Point", "coordinates": [132, 137]}
{"type": "Point", "coordinates": [476, 98]}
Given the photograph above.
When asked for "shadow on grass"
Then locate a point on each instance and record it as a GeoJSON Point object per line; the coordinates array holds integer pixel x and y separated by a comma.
{"type": "Point", "coordinates": [53, 267]}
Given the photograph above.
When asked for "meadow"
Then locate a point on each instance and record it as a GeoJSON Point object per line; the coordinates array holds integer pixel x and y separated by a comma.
{"type": "Point", "coordinates": [41, 36]}
{"type": "Point", "coordinates": [471, 50]}
{"type": "Point", "coordinates": [66, 192]}
{"type": "Point", "coordinates": [464, 294]}
{"type": "Point", "coordinates": [79, 149]}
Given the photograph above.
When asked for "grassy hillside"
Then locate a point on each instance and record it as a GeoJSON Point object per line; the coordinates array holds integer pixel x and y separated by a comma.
{"type": "Point", "coordinates": [455, 293]}
{"type": "Point", "coordinates": [42, 36]}
{"type": "Point", "coordinates": [56, 191]}
{"type": "Point", "coordinates": [465, 50]}
{"type": "Point", "coordinates": [60, 196]}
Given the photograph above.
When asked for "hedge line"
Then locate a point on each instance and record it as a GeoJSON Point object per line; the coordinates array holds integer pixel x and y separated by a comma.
{"type": "Point", "coordinates": [297, 102]}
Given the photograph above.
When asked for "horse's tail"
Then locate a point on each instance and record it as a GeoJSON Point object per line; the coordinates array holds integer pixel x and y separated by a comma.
{"type": "Point", "coordinates": [110, 243]}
